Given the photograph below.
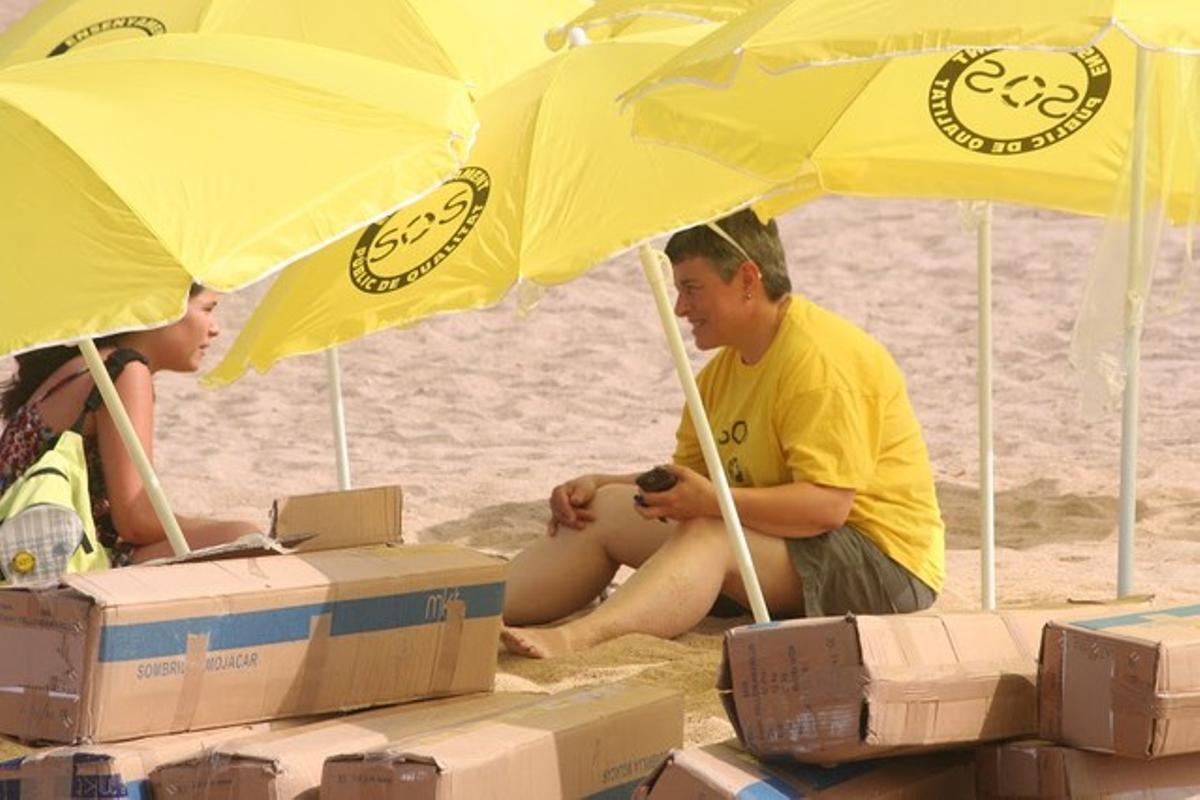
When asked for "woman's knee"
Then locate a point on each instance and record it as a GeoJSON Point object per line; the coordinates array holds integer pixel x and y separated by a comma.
{"type": "Point", "coordinates": [626, 536]}
{"type": "Point", "coordinates": [709, 534]}
{"type": "Point", "coordinates": [613, 500]}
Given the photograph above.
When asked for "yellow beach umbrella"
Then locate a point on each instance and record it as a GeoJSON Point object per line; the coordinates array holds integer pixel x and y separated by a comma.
{"type": "Point", "coordinates": [554, 185]}
{"type": "Point", "coordinates": [1044, 127]}
{"type": "Point", "coordinates": [132, 170]}
{"type": "Point", "coordinates": [482, 43]}
{"type": "Point", "coordinates": [135, 169]}
{"type": "Point", "coordinates": [816, 87]}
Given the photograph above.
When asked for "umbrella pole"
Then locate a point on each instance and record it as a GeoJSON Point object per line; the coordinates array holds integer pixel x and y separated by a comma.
{"type": "Point", "coordinates": [337, 409]}
{"type": "Point", "coordinates": [1134, 310]}
{"type": "Point", "coordinates": [733, 525]}
{"type": "Point", "coordinates": [987, 491]}
{"type": "Point", "coordinates": [112, 401]}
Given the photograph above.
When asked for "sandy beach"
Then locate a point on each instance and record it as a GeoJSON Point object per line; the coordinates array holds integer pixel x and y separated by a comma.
{"type": "Point", "coordinates": [477, 415]}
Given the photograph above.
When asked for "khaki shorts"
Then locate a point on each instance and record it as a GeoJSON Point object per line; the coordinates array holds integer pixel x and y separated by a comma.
{"type": "Point", "coordinates": [843, 571]}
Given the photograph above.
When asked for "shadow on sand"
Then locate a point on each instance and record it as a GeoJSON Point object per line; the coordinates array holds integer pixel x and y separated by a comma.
{"type": "Point", "coordinates": [501, 528]}
{"type": "Point", "coordinates": [1033, 513]}
{"type": "Point", "coordinates": [1027, 515]}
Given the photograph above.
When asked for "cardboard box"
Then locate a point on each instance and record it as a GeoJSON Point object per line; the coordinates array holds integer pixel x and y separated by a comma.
{"type": "Point", "coordinates": [596, 741]}
{"type": "Point", "coordinates": [142, 651]}
{"type": "Point", "coordinates": [112, 770]}
{"type": "Point", "coordinates": [726, 772]}
{"type": "Point", "coordinates": [1127, 684]}
{"type": "Point", "coordinates": [835, 689]}
{"type": "Point", "coordinates": [1029, 770]}
{"type": "Point", "coordinates": [330, 520]}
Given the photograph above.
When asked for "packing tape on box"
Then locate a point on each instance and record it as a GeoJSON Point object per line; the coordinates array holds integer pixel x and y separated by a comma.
{"type": "Point", "coordinates": [955, 684]}
{"type": "Point", "coordinates": [1135, 700]}
{"type": "Point", "coordinates": [35, 705]}
{"type": "Point", "coordinates": [195, 658]}
{"type": "Point", "coordinates": [449, 643]}
{"type": "Point", "coordinates": [1014, 633]}
{"type": "Point", "coordinates": [912, 650]}
{"type": "Point", "coordinates": [312, 674]}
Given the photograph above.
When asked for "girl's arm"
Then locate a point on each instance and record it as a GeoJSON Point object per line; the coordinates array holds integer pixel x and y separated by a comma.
{"type": "Point", "coordinates": [132, 512]}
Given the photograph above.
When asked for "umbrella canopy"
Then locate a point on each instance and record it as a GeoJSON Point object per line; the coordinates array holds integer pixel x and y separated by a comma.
{"type": "Point", "coordinates": [483, 44]}
{"type": "Point", "coordinates": [135, 169]}
{"type": "Point", "coordinates": [610, 18]}
{"type": "Point", "coordinates": [776, 36]}
{"type": "Point", "coordinates": [554, 185]}
{"type": "Point", "coordinates": [57, 27]}
{"type": "Point", "coordinates": [1041, 127]}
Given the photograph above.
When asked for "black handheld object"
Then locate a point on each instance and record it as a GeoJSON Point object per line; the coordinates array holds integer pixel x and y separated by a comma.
{"type": "Point", "coordinates": [656, 480]}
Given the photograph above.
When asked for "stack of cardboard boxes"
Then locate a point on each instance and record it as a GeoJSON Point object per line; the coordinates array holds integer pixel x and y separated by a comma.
{"type": "Point", "coordinates": [234, 678]}
{"type": "Point", "coordinates": [231, 678]}
{"type": "Point", "coordinates": [1115, 694]}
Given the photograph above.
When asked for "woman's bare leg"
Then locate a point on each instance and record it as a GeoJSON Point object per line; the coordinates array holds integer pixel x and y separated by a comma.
{"type": "Point", "coordinates": [673, 591]}
{"type": "Point", "coordinates": [563, 573]}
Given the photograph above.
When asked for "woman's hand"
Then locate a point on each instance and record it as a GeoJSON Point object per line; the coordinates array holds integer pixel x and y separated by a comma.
{"type": "Point", "coordinates": [692, 496]}
{"type": "Point", "coordinates": [569, 504]}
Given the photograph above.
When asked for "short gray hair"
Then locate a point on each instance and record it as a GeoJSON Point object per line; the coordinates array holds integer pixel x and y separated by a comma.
{"type": "Point", "coordinates": [759, 241]}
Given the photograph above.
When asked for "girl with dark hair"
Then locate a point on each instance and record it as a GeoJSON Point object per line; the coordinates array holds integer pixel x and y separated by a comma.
{"type": "Point", "coordinates": [52, 391]}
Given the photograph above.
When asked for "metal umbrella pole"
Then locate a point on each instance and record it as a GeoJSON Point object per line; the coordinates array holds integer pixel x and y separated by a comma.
{"type": "Point", "coordinates": [1135, 301]}
{"type": "Point", "coordinates": [652, 265]}
{"type": "Point", "coordinates": [337, 410]}
{"type": "Point", "coordinates": [987, 485]}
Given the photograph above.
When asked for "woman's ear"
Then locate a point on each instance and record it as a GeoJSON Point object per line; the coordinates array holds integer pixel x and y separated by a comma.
{"type": "Point", "coordinates": [748, 277]}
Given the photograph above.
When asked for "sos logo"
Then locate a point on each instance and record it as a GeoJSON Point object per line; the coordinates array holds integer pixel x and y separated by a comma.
{"type": "Point", "coordinates": [107, 31]}
{"type": "Point", "coordinates": [1005, 102]}
{"type": "Point", "coordinates": [404, 247]}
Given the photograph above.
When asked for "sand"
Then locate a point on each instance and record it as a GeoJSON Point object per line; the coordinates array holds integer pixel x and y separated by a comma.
{"type": "Point", "coordinates": [477, 415]}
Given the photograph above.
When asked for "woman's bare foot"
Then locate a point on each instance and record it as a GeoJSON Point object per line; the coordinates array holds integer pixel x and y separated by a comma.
{"type": "Point", "coordinates": [537, 642]}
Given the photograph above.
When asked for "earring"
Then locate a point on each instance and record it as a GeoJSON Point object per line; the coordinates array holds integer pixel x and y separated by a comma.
{"type": "Point", "coordinates": [746, 297]}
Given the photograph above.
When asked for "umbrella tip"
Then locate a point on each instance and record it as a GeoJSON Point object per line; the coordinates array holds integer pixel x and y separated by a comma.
{"type": "Point", "coordinates": [577, 37]}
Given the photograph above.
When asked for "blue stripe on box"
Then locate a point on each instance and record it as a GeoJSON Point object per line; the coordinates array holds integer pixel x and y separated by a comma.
{"type": "Point", "coordinates": [406, 610]}
{"type": "Point", "coordinates": [814, 778]}
{"type": "Point", "coordinates": [137, 791]}
{"type": "Point", "coordinates": [145, 640]}
{"type": "Point", "coordinates": [82, 788]}
{"type": "Point", "coordinates": [1182, 611]}
{"type": "Point", "coordinates": [1137, 619]}
{"type": "Point", "coordinates": [771, 789]}
{"type": "Point", "coordinates": [10, 788]}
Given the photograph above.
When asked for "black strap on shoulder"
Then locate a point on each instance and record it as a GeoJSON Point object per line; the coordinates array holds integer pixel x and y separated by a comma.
{"type": "Point", "coordinates": [62, 383]}
{"type": "Point", "coordinates": [114, 364]}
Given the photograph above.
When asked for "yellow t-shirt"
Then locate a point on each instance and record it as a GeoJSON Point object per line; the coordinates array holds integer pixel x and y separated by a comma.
{"type": "Point", "coordinates": [828, 405]}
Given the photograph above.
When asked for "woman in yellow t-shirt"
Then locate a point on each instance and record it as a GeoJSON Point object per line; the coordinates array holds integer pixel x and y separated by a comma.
{"type": "Point", "coordinates": [821, 448]}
